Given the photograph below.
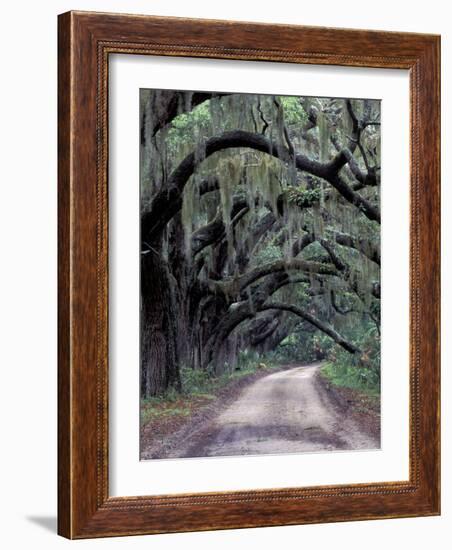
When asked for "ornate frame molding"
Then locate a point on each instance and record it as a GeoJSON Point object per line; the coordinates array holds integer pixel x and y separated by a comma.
{"type": "Point", "coordinates": [85, 42]}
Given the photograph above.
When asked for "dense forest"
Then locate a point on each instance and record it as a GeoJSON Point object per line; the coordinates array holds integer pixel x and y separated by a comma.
{"type": "Point", "coordinates": [260, 233]}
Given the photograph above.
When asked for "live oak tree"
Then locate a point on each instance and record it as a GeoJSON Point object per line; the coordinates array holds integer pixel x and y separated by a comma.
{"type": "Point", "coordinates": [259, 218]}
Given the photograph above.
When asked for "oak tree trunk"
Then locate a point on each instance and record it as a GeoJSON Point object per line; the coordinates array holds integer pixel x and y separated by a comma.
{"type": "Point", "coordinates": [159, 357]}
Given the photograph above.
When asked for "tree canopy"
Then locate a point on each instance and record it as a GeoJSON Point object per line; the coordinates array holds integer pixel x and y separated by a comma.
{"type": "Point", "coordinates": [260, 224]}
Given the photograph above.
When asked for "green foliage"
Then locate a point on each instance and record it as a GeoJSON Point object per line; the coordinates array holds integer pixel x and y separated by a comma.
{"type": "Point", "coordinates": [293, 111]}
{"type": "Point", "coordinates": [195, 380]}
{"type": "Point", "coordinates": [200, 382]}
{"type": "Point", "coordinates": [341, 368]}
{"type": "Point", "coordinates": [191, 123]}
{"type": "Point", "coordinates": [294, 348]}
{"type": "Point", "coordinates": [149, 411]}
{"type": "Point", "coordinates": [304, 198]}
{"type": "Point", "coordinates": [357, 371]}
{"type": "Point", "coordinates": [346, 374]}
{"type": "Point", "coordinates": [198, 389]}
{"type": "Point", "coordinates": [248, 361]}
{"type": "Point", "coordinates": [269, 253]}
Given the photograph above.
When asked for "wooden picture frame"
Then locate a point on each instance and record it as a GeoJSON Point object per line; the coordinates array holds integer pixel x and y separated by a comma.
{"type": "Point", "coordinates": [86, 40]}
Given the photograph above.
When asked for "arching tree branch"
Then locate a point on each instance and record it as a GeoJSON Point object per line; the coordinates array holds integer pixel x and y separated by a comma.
{"type": "Point", "coordinates": [162, 209]}
{"type": "Point", "coordinates": [366, 247]}
{"type": "Point", "coordinates": [166, 105]}
{"type": "Point", "coordinates": [239, 284]}
{"type": "Point", "coordinates": [324, 327]}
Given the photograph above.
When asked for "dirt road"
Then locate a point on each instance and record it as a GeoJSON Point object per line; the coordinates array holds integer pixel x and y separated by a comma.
{"type": "Point", "coordinates": [285, 412]}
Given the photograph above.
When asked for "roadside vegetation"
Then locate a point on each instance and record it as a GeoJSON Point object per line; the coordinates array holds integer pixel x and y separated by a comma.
{"type": "Point", "coordinates": [358, 378]}
{"type": "Point", "coordinates": [198, 388]}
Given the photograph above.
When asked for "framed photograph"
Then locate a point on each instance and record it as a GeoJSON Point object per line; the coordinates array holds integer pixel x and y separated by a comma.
{"type": "Point", "coordinates": [248, 275]}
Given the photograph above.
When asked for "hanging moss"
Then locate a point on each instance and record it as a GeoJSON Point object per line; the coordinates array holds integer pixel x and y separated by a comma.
{"type": "Point", "coordinates": [319, 226]}
{"type": "Point", "coordinates": [280, 122]}
{"type": "Point", "coordinates": [307, 104]}
{"type": "Point", "coordinates": [310, 205]}
{"type": "Point", "coordinates": [190, 203]}
{"type": "Point", "coordinates": [346, 122]}
{"type": "Point", "coordinates": [292, 227]}
{"type": "Point", "coordinates": [200, 151]}
{"type": "Point", "coordinates": [324, 136]}
{"type": "Point", "coordinates": [230, 169]}
{"type": "Point", "coordinates": [215, 114]}
{"type": "Point", "coordinates": [274, 188]}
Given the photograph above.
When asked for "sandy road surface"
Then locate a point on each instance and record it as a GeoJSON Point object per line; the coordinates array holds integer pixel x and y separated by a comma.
{"type": "Point", "coordinates": [285, 412]}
